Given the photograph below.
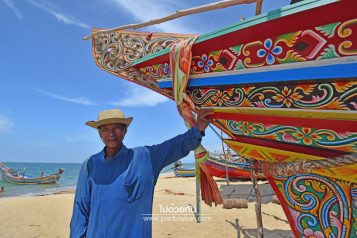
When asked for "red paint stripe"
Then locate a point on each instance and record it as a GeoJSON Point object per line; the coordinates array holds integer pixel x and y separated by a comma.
{"type": "Point", "coordinates": [335, 125]}
{"type": "Point", "coordinates": [307, 19]}
{"type": "Point", "coordinates": [220, 172]}
{"type": "Point", "coordinates": [309, 150]}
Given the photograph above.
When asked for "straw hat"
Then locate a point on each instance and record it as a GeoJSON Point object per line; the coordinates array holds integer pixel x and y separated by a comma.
{"type": "Point", "coordinates": [110, 116]}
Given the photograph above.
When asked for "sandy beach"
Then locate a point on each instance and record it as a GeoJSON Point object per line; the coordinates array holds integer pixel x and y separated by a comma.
{"type": "Point", "coordinates": [49, 216]}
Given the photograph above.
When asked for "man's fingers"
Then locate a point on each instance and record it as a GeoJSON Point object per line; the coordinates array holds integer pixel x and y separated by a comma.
{"type": "Point", "coordinates": [205, 112]}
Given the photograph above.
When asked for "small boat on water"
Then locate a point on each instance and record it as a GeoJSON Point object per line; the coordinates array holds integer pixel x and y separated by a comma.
{"type": "Point", "coordinates": [12, 176]}
{"type": "Point", "coordinates": [182, 172]}
{"type": "Point", "coordinates": [234, 167]}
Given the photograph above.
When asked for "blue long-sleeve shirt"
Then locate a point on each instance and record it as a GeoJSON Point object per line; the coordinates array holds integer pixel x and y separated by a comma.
{"type": "Point", "coordinates": [114, 197]}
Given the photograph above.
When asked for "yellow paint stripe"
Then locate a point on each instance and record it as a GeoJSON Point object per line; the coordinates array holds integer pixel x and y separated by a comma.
{"type": "Point", "coordinates": [248, 149]}
{"type": "Point", "coordinates": [346, 172]}
{"type": "Point", "coordinates": [300, 113]}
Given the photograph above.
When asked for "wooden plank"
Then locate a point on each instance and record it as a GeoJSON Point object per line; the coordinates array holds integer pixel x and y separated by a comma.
{"type": "Point", "coordinates": [258, 9]}
{"type": "Point", "coordinates": [177, 14]}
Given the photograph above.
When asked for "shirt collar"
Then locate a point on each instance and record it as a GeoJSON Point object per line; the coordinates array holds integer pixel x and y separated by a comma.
{"type": "Point", "coordinates": [122, 151]}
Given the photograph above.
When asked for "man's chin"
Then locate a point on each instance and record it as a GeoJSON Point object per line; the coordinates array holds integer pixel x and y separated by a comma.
{"type": "Point", "coordinates": [114, 144]}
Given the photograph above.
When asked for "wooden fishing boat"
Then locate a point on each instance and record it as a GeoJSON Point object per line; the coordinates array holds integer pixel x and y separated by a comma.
{"type": "Point", "coordinates": [182, 172]}
{"type": "Point", "coordinates": [282, 86]}
{"type": "Point", "coordinates": [12, 176]}
{"type": "Point", "coordinates": [239, 168]}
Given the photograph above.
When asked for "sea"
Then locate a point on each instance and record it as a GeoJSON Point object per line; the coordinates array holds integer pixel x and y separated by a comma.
{"type": "Point", "coordinates": [68, 180]}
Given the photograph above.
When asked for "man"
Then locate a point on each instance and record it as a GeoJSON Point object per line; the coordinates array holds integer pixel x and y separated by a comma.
{"type": "Point", "coordinates": [116, 186]}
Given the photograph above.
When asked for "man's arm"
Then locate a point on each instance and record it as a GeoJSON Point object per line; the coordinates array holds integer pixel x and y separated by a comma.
{"type": "Point", "coordinates": [174, 149]}
{"type": "Point", "coordinates": [179, 146]}
{"type": "Point", "coordinates": [81, 207]}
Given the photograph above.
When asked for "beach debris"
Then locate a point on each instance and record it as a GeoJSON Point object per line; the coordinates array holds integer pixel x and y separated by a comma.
{"type": "Point", "coordinates": [172, 192]}
{"type": "Point", "coordinates": [235, 203]}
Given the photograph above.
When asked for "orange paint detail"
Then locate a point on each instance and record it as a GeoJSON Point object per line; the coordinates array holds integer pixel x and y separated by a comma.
{"type": "Point", "coordinates": [256, 154]}
{"type": "Point", "coordinates": [279, 157]}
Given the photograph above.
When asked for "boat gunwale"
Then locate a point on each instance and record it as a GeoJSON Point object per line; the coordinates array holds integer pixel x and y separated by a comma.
{"type": "Point", "coordinates": [255, 20]}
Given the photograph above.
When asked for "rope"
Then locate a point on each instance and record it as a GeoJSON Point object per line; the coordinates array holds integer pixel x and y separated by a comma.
{"type": "Point", "coordinates": [307, 166]}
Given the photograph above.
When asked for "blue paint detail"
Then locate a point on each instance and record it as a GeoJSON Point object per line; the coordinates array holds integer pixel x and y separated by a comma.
{"type": "Point", "coordinates": [312, 73]}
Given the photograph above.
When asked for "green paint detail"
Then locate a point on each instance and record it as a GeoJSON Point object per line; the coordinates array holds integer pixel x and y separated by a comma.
{"type": "Point", "coordinates": [304, 224]}
{"type": "Point", "coordinates": [291, 57]}
{"type": "Point", "coordinates": [326, 99]}
{"type": "Point", "coordinates": [328, 53]}
{"type": "Point", "coordinates": [266, 156]}
{"type": "Point", "coordinates": [236, 49]}
{"type": "Point", "coordinates": [355, 220]}
{"type": "Point", "coordinates": [215, 54]}
{"type": "Point", "coordinates": [219, 70]}
{"type": "Point", "coordinates": [239, 65]}
{"type": "Point", "coordinates": [329, 29]}
{"type": "Point", "coordinates": [350, 92]}
{"type": "Point", "coordinates": [290, 38]}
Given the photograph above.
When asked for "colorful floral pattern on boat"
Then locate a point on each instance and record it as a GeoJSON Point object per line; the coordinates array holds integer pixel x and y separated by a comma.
{"type": "Point", "coordinates": [116, 52]}
{"type": "Point", "coordinates": [322, 42]}
{"type": "Point", "coordinates": [320, 138]}
{"type": "Point", "coordinates": [339, 95]}
{"type": "Point", "coordinates": [318, 206]}
{"type": "Point", "coordinates": [329, 41]}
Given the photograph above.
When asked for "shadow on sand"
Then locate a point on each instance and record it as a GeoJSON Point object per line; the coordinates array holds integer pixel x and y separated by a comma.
{"type": "Point", "coordinates": [252, 233]}
{"type": "Point", "coordinates": [246, 191]}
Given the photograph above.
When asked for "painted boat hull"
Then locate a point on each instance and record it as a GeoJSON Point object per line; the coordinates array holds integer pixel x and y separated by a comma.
{"type": "Point", "coordinates": [180, 172]}
{"type": "Point", "coordinates": [51, 179]}
{"type": "Point", "coordinates": [239, 171]}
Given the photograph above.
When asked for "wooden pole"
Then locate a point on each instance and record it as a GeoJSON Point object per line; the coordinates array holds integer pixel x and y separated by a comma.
{"type": "Point", "coordinates": [225, 159]}
{"type": "Point", "coordinates": [258, 9]}
{"type": "Point", "coordinates": [258, 205]}
{"type": "Point", "coordinates": [177, 14]}
{"type": "Point", "coordinates": [198, 196]}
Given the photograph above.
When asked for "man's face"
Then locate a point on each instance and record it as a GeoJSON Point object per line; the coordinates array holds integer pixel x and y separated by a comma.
{"type": "Point", "coordinates": [112, 134]}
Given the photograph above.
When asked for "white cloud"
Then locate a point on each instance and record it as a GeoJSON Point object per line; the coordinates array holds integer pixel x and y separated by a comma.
{"type": "Point", "coordinates": [141, 97]}
{"type": "Point", "coordinates": [145, 10]}
{"type": "Point", "coordinates": [80, 100]}
{"type": "Point", "coordinates": [12, 6]}
{"type": "Point", "coordinates": [60, 16]}
{"type": "Point", "coordinates": [5, 124]}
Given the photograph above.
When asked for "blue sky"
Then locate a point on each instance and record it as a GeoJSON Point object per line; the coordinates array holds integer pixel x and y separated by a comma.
{"type": "Point", "coordinates": [50, 84]}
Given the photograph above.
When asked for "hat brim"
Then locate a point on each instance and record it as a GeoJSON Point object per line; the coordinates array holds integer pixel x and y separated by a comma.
{"type": "Point", "coordinates": [96, 124]}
